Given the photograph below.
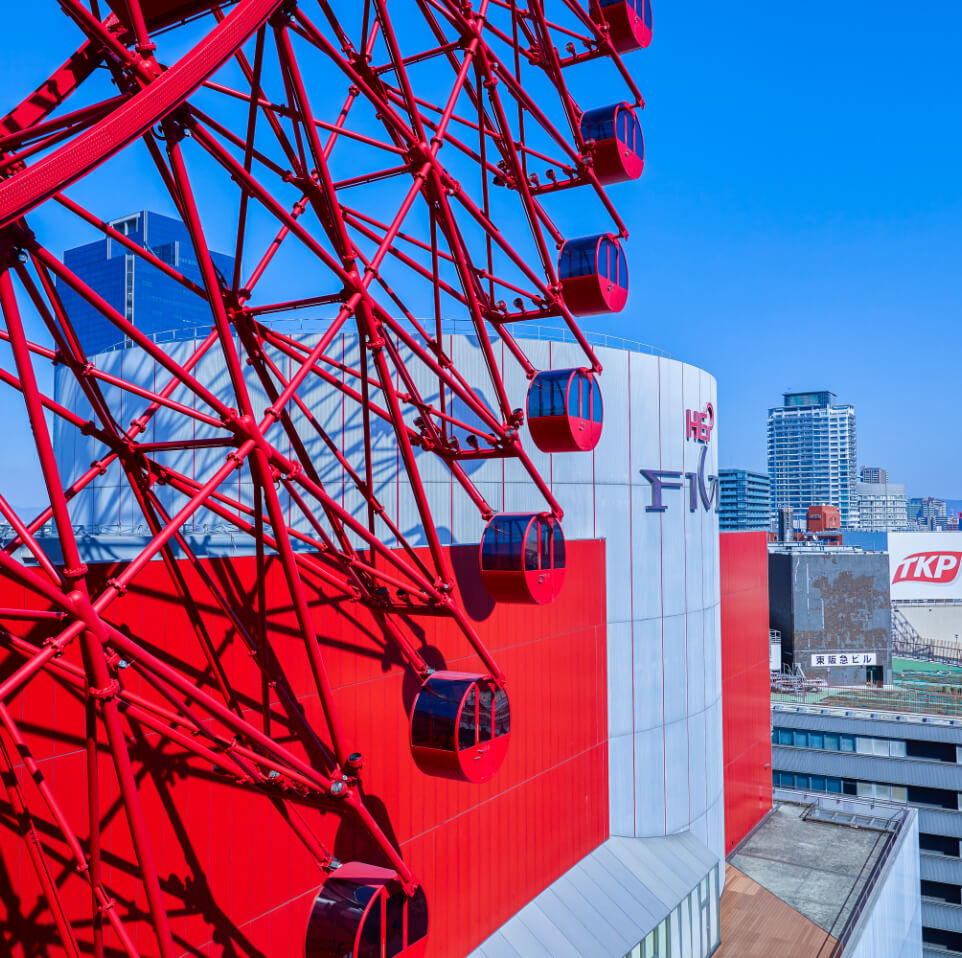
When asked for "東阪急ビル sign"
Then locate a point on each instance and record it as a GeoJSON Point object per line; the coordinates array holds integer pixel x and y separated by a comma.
{"type": "Point", "coordinates": [828, 660]}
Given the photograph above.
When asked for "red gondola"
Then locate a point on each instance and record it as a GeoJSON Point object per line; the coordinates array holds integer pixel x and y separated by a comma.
{"type": "Point", "coordinates": [594, 275]}
{"type": "Point", "coordinates": [361, 911]}
{"type": "Point", "coordinates": [160, 13]}
{"type": "Point", "coordinates": [619, 151]}
{"type": "Point", "coordinates": [460, 726]}
{"type": "Point", "coordinates": [523, 558]}
{"type": "Point", "coordinates": [629, 22]}
{"type": "Point", "coordinates": [565, 411]}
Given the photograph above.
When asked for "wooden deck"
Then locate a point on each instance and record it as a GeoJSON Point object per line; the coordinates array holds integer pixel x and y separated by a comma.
{"type": "Point", "coordinates": [757, 924]}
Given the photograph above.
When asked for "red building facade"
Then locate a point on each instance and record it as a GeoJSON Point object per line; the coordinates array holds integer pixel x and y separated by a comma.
{"type": "Point", "coordinates": [746, 703]}
{"type": "Point", "coordinates": [234, 876]}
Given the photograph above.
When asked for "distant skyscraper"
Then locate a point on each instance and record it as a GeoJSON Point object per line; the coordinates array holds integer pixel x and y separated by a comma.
{"type": "Point", "coordinates": [812, 455]}
{"type": "Point", "coordinates": [745, 500]}
{"type": "Point", "coordinates": [874, 474]}
{"type": "Point", "coordinates": [932, 513]}
{"type": "Point", "coordinates": [154, 302]}
{"type": "Point", "coordinates": [882, 506]}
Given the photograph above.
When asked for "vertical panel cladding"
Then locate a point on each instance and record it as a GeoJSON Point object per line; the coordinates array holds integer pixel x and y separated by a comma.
{"type": "Point", "coordinates": [745, 695]}
{"type": "Point", "coordinates": [234, 875]}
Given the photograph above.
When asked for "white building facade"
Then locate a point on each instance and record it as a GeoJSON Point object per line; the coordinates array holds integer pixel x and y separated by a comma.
{"type": "Point", "coordinates": [882, 506]}
{"type": "Point", "coordinates": [812, 455]}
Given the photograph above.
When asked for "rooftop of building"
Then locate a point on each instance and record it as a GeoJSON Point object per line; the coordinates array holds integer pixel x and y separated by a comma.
{"type": "Point", "coordinates": [822, 856]}
{"type": "Point", "coordinates": [314, 326]}
{"type": "Point", "coordinates": [744, 472]}
{"type": "Point", "coordinates": [921, 691]}
{"type": "Point", "coordinates": [818, 397]}
{"type": "Point", "coordinates": [817, 547]}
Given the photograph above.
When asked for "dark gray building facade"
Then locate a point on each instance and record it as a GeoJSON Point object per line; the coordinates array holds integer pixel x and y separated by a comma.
{"type": "Point", "coordinates": [832, 607]}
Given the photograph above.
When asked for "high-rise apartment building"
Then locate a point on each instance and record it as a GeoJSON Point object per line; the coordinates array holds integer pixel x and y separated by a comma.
{"type": "Point", "coordinates": [744, 500]}
{"type": "Point", "coordinates": [882, 506]}
{"type": "Point", "coordinates": [812, 455]}
{"type": "Point", "coordinates": [874, 474]}
{"type": "Point", "coordinates": [150, 299]}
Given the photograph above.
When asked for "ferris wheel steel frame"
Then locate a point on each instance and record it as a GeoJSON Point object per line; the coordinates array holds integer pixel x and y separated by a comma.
{"type": "Point", "coordinates": [44, 151]}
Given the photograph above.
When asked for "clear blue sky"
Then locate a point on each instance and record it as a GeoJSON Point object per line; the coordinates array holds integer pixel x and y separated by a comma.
{"type": "Point", "coordinates": [799, 222]}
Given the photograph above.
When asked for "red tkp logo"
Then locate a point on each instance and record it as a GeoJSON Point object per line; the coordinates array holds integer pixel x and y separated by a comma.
{"type": "Point", "coordinates": [938, 567]}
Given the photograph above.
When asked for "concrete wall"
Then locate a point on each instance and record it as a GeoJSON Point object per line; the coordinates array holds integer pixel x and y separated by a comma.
{"type": "Point", "coordinates": [664, 665]}
{"type": "Point", "coordinates": [831, 601]}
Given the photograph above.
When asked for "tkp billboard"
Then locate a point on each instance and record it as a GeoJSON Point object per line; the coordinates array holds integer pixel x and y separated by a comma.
{"type": "Point", "coordinates": [925, 565]}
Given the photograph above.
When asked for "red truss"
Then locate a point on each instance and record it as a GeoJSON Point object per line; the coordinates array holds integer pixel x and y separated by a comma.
{"type": "Point", "coordinates": [424, 194]}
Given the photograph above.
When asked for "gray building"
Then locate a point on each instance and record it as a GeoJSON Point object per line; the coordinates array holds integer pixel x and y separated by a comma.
{"type": "Point", "coordinates": [832, 608]}
{"type": "Point", "coordinates": [874, 474]}
{"type": "Point", "coordinates": [882, 506]}
{"type": "Point", "coordinates": [745, 500]}
{"type": "Point", "coordinates": [899, 757]}
{"type": "Point", "coordinates": [812, 455]}
{"type": "Point", "coordinates": [932, 512]}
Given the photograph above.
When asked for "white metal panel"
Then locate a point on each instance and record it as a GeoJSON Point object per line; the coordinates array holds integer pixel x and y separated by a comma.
{"type": "Point", "coordinates": [677, 783]}
{"type": "Point", "coordinates": [620, 678]}
{"type": "Point", "coordinates": [649, 675]}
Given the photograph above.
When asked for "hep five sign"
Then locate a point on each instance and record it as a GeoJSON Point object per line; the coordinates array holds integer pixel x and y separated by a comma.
{"type": "Point", "coordinates": [935, 567]}
{"type": "Point", "coordinates": [925, 565]}
{"type": "Point", "coordinates": [702, 487]}
{"type": "Point", "coordinates": [699, 423]}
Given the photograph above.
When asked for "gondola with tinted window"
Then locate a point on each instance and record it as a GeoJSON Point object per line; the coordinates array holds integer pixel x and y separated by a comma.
{"type": "Point", "coordinates": [618, 154]}
{"type": "Point", "coordinates": [460, 726]}
{"type": "Point", "coordinates": [564, 410]}
{"type": "Point", "coordinates": [523, 558]}
{"type": "Point", "coordinates": [362, 911]}
{"type": "Point", "coordinates": [629, 22]}
{"type": "Point", "coordinates": [593, 274]}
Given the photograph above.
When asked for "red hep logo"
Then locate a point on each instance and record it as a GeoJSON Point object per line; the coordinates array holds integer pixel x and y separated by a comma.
{"type": "Point", "coordinates": [937, 567]}
{"type": "Point", "coordinates": [700, 424]}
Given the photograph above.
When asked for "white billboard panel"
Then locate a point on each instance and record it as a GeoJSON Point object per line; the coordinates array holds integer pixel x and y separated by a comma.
{"type": "Point", "coordinates": [925, 565]}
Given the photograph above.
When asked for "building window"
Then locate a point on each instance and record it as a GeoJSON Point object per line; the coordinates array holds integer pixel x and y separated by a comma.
{"type": "Point", "coordinates": [950, 940]}
{"type": "Point", "coordinates": [129, 287]}
{"type": "Point", "coordinates": [829, 741]}
{"type": "Point", "coordinates": [936, 797]}
{"type": "Point", "coordinates": [942, 891]}
{"type": "Point", "coordinates": [692, 929]}
{"type": "Point", "coordinates": [888, 793]}
{"type": "Point", "coordinates": [939, 844]}
{"type": "Point", "coordinates": [842, 786]}
{"type": "Point", "coordinates": [934, 751]}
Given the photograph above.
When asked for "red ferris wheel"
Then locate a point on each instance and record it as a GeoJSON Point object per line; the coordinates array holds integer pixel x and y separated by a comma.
{"type": "Point", "coordinates": [395, 164]}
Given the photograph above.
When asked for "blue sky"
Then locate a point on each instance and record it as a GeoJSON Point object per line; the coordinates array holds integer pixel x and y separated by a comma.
{"type": "Point", "coordinates": [799, 222]}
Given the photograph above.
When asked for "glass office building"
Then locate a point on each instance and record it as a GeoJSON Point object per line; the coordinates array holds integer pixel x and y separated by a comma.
{"type": "Point", "coordinates": [744, 500]}
{"type": "Point", "coordinates": [812, 455]}
{"type": "Point", "coordinates": [154, 302]}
